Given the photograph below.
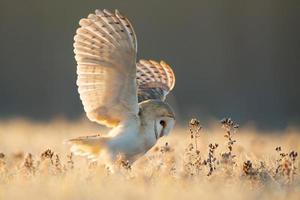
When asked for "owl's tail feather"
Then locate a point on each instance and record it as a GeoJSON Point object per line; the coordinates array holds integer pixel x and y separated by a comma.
{"type": "Point", "coordinates": [88, 146]}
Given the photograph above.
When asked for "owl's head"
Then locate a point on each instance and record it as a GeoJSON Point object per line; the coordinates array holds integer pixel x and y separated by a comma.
{"type": "Point", "coordinates": [159, 114]}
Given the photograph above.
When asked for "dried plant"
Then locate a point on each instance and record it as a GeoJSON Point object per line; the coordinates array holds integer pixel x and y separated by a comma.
{"type": "Point", "coordinates": [59, 168]}
{"type": "Point", "coordinates": [28, 165]}
{"type": "Point", "coordinates": [286, 167]}
{"type": "Point", "coordinates": [46, 164]}
{"type": "Point", "coordinates": [230, 128]}
{"type": "Point", "coordinates": [2, 163]}
{"type": "Point", "coordinates": [211, 159]}
{"type": "Point", "coordinates": [92, 164]}
{"type": "Point", "coordinates": [122, 165]}
{"type": "Point", "coordinates": [126, 165]}
{"type": "Point", "coordinates": [165, 148]}
{"type": "Point", "coordinates": [70, 162]}
{"type": "Point", "coordinates": [195, 128]}
{"type": "Point", "coordinates": [47, 155]}
{"type": "Point", "coordinates": [259, 176]}
{"type": "Point", "coordinates": [166, 166]}
{"type": "Point", "coordinates": [2, 155]}
{"type": "Point", "coordinates": [161, 161]}
{"type": "Point", "coordinates": [193, 162]}
{"type": "Point", "coordinates": [249, 170]}
{"type": "Point", "coordinates": [168, 160]}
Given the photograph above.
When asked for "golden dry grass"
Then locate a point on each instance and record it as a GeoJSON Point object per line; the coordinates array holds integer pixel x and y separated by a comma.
{"type": "Point", "coordinates": [176, 171]}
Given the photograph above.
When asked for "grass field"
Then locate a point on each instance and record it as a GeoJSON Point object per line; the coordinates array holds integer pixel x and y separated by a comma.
{"type": "Point", "coordinates": [218, 161]}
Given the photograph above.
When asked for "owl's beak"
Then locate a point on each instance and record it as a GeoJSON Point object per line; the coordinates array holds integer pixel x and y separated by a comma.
{"type": "Point", "coordinates": [161, 133]}
{"type": "Point", "coordinates": [155, 131]}
{"type": "Point", "coordinates": [157, 134]}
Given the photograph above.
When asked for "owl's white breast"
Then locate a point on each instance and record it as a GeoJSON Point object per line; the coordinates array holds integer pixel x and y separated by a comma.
{"type": "Point", "coordinates": [131, 138]}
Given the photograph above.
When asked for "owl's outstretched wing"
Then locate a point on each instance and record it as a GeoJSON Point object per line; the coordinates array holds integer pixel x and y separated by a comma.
{"type": "Point", "coordinates": [105, 50]}
{"type": "Point", "coordinates": [155, 80]}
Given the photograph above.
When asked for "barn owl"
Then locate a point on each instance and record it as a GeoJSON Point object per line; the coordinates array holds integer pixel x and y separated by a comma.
{"type": "Point", "coordinates": [118, 92]}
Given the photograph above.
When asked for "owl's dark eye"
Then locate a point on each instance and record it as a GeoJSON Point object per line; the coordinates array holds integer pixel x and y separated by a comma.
{"type": "Point", "coordinates": [163, 123]}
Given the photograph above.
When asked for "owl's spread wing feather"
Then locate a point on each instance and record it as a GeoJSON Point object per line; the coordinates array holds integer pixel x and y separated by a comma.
{"type": "Point", "coordinates": [155, 80]}
{"type": "Point", "coordinates": [105, 50]}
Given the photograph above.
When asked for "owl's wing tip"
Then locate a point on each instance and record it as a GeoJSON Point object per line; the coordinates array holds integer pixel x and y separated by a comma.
{"type": "Point", "coordinates": [155, 79]}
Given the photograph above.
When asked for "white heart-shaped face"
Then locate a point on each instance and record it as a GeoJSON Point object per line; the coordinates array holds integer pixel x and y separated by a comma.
{"type": "Point", "coordinates": [163, 126]}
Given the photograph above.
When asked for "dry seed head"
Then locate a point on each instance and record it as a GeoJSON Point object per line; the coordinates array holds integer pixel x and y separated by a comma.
{"type": "Point", "coordinates": [211, 159]}
{"type": "Point", "coordinates": [121, 162]}
{"type": "Point", "coordinates": [165, 148]}
{"type": "Point", "coordinates": [286, 168]}
{"type": "Point", "coordinates": [58, 165]}
{"type": "Point", "coordinates": [247, 166]}
{"type": "Point", "coordinates": [47, 154]}
{"type": "Point", "coordinates": [249, 170]}
{"type": "Point", "coordinates": [195, 125]}
{"type": "Point", "coordinates": [278, 149]}
{"type": "Point", "coordinates": [228, 124]}
{"type": "Point", "coordinates": [194, 122]}
{"type": "Point", "coordinates": [194, 128]}
{"type": "Point", "coordinates": [2, 155]}
{"type": "Point", "coordinates": [230, 127]}
{"type": "Point", "coordinates": [2, 162]}
{"type": "Point", "coordinates": [70, 161]}
{"type": "Point", "coordinates": [92, 165]}
{"type": "Point", "coordinates": [29, 163]}
{"type": "Point", "coordinates": [126, 165]}
{"type": "Point", "coordinates": [293, 155]}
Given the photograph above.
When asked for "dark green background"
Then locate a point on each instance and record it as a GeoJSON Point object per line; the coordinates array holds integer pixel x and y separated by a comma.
{"type": "Point", "coordinates": [231, 58]}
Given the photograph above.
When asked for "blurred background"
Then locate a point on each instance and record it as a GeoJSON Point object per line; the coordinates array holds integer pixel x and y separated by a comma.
{"type": "Point", "coordinates": [231, 58]}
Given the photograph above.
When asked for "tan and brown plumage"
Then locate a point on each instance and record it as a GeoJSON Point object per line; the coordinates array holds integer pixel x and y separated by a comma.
{"type": "Point", "coordinates": [118, 92]}
{"type": "Point", "coordinates": [155, 80]}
